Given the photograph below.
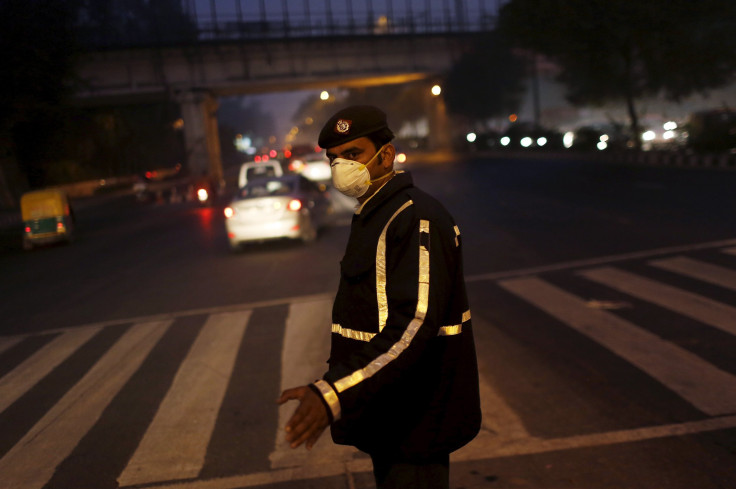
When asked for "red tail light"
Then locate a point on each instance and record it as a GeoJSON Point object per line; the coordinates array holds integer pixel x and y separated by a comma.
{"type": "Point", "coordinates": [295, 205]}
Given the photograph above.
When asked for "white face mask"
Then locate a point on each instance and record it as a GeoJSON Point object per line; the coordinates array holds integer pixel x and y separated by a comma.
{"type": "Point", "coordinates": [352, 178]}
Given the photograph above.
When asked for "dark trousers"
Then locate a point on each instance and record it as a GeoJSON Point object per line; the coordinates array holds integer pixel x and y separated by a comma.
{"type": "Point", "coordinates": [401, 474]}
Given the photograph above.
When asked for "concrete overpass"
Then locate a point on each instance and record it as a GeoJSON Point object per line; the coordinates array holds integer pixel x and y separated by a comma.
{"type": "Point", "coordinates": [196, 74]}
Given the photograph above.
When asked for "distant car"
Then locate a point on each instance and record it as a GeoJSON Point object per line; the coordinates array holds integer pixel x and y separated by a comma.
{"type": "Point", "coordinates": [289, 206]}
{"type": "Point", "coordinates": [256, 169]}
{"type": "Point", "coordinates": [598, 137]}
{"type": "Point", "coordinates": [712, 130]}
{"type": "Point", "coordinates": [526, 135]}
{"type": "Point", "coordinates": [315, 169]}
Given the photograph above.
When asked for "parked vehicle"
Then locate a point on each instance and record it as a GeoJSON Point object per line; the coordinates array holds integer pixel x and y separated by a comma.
{"type": "Point", "coordinates": [47, 217]}
{"type": "Point", "coordinates": [289, 206]}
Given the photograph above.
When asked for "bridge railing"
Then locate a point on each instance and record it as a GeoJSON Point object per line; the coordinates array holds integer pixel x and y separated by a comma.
{"type": "Point", "coordinates": [228, 29]}
{"type": "Point", "coordinates": [227, 20]}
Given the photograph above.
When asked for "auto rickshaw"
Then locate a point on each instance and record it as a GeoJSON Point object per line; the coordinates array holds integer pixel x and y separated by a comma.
{"type": "Point", "coordinates": [47, 217]}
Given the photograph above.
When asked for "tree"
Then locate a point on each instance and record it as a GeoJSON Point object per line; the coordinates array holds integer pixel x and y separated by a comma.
{"type": "Point", "coordinates": [612, 50]}
{"type": "Point", "coordinates": [36, 52]}
{"type": "Point", "coordinates": [487, 81]}
{"type": "Point", "coordinates": [126, 23]}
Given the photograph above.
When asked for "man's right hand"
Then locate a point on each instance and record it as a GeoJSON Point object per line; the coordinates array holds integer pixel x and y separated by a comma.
{"type": "Point", "coordinates": [310, 418]}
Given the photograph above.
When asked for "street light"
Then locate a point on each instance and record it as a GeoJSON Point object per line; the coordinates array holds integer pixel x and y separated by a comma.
{"type": "Point", "coordinates": [436, 90]}
{"type": "Point", "coordinates": [324, 95]}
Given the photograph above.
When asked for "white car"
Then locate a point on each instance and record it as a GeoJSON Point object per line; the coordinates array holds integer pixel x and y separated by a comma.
{"type": "Point", "coordinates": [289, 206]}
{"type": "Point", "coordinates": [254, 169]}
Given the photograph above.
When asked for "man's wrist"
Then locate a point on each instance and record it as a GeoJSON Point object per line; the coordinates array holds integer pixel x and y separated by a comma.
{"type": "Point", "coordinates": [329, 398]}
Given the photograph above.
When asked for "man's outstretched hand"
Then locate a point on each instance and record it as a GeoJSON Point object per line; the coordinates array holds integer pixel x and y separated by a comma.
{"type": "Point", "coordinates": [309, 420]}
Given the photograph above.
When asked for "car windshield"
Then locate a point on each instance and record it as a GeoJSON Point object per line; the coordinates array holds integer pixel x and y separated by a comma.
{"type": "Point", "coordinates": [265, 188]}
{"type": "Point", "coordinates": [261, 171]}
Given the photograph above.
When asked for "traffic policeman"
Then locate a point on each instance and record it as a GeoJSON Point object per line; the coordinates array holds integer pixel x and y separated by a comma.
{"type": "Point", "coordinates": [402, 382]}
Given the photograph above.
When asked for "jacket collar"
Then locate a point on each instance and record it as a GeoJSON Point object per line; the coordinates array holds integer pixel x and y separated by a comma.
{"type": "Point", "coordinates": [400, 181]}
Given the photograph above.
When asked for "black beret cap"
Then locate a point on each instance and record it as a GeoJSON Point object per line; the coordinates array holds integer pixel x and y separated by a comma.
{"type": "Point", "coordinates": [352, 123]}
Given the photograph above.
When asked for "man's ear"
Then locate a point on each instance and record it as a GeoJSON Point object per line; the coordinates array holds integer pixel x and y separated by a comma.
{"type": "Point", "coordinates": [388, 155]}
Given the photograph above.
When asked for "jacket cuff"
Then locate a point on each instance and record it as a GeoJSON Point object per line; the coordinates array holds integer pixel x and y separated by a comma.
{"type": "Point", "coordinates": [329, 397]}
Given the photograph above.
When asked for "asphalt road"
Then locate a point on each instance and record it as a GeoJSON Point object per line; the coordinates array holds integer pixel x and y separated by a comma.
{"type": "Point", "coordinates": [603, 299]}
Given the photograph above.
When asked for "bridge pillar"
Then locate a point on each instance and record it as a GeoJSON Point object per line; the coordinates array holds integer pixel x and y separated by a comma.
{"type": "Point", "coordinates": [439, 138]}
{"type": "Point", "coordinates": [199, 112]}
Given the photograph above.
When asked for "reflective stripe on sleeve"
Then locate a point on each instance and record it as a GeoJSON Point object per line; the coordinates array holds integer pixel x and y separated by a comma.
{"type": "Point", "coordinates": [455, 328]}
{"type": "Point", "coordinates": [352, 333]}
{"type": "Point", "coordinates": [330, 397]}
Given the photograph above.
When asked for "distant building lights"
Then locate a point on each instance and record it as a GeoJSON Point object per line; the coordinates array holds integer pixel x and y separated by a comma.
{"type": "Point", "coordinates": [526, 141]}
{"type": "Point", "coordinates": [471, 136]}
{"type": "Point", "coordinates": [436, 90]}
{"type": "Point", "coordinates": [541, 141]}
{"type": "Point", "coordinates": [324, 95]}
{"type": "Point", "coordinates": [602, 145]}
{"type": "Point", "coordinates": [505, 141]}
{"type": "Point", "coordinates": [648, 136]}
{"type": "Point", "coordinates": [669, 126]}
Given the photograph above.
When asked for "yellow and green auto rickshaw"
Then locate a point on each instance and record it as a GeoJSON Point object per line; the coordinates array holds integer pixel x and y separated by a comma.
{"type": "Point", "coordinates": [47, 217]}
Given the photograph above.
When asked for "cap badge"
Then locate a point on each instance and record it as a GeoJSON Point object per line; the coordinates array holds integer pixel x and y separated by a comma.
{"type": "Point", "coordinates": [343, 126]}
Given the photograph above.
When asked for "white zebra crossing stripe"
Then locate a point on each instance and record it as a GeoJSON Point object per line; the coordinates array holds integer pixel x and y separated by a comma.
{"type": "Point", "coordinates": [706, 272]}
{"type": "Point", "coordinates": [175, 444]}
{"type": "Point", "coordinates": [706, 387]}
{"type": "Point", "coordinates": [694, 306]}
{"type": "Point", "coordinates": [37, 366]}
{"type": "Point", "coordinates": [32, 461]}
{"type": "Point", "coordinates": [303, 360]}
{"type": "Point", "coordinates": [6, 343]}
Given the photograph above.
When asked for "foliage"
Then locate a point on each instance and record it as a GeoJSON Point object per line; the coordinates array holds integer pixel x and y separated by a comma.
{"type": "Point", "coordinates": [36, 53]}
{"type": "Point", "coordinates": [54, 140]}
{"type": "Point", "coordinates": [487, 81]}
{"type": "Point", "coordinates": [110, 23]}
{"type": "Point", "coordinates": [623, 50]}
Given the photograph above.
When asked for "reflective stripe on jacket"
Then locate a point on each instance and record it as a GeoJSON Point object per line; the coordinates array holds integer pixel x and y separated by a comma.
{"type": "Point", "coordinates": [402, 372]}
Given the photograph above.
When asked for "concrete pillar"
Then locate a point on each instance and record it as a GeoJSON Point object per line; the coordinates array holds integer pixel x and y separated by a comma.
{"type": "Point", "coordinates": [199, 112]}
{"type": "Point", "coordinates": [439, 127]}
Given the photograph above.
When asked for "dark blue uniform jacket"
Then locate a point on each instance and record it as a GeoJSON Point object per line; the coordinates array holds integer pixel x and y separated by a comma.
{"type": "Point", "coordinates": [403, 376]}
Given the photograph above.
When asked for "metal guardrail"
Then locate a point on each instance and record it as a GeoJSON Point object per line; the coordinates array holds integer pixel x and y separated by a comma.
{"type": "Point", "coordinates": [230, 20]}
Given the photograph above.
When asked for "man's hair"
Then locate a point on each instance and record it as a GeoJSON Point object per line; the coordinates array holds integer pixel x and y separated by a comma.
{"type": "Point", "coordinates": [379, 138]}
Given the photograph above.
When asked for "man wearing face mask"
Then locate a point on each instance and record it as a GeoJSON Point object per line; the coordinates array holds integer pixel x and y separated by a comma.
{"type": "Point", "coordinates": [402, 382]}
